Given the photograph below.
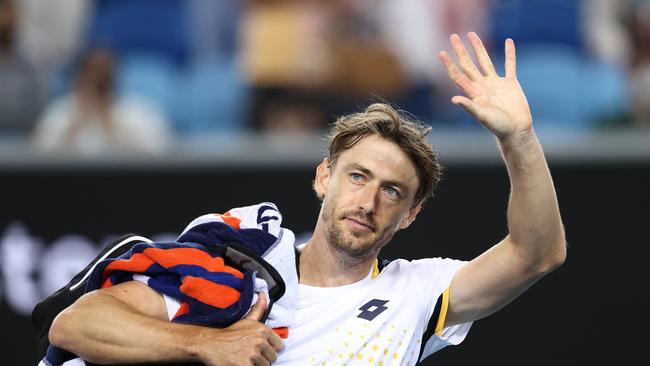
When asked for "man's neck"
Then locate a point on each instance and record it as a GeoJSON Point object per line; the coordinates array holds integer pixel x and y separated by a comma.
{"type": "Point", "coordinates": [323, 266]}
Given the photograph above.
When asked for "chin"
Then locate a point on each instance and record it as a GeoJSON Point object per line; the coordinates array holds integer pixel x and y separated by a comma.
{"type": "Point", "coordinates": [355, 253]}
{"type": "Point", "coordinates": [354, 246]}
{"type": "Point", "coordinates": [352, 243]}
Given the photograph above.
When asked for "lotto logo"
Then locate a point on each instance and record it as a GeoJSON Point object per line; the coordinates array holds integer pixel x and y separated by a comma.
{"type": "Point", "coordinates": [372, 309]}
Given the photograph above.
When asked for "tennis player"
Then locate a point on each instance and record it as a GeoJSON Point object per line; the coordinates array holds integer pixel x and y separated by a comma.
{"type": "Point", "coordinates": [353, 308]}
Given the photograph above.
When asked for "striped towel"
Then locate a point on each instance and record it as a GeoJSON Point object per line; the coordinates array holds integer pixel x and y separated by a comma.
{"type": "Point", "coordinates": [213, 268]}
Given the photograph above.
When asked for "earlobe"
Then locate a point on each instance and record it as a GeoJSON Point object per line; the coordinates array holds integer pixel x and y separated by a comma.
{"type": "Point", "coordinates": [408, 220]}
{"type": "Point", "coordinates": [322, 178]}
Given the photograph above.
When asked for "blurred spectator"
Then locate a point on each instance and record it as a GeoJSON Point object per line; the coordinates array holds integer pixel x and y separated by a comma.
{"type": "Point", "coordinates": [618, 33]}
{"type": "Point", "coordinates": [364, 64]}
{"type": "Point", "coordinates": [415, 31]}
{"type": "Point", "coordinates": [639, 28]}
{"type": "Point", "coordinates": [19, 90]}
{"type": "Point", "coordinates": [286, 110]}
{"type": "Point", "coordinates": [310, 60]}
{"type": "Point", "coordinates": [51, 33]}
{"type": "Point", "coordinates": [604, 30]}
{"type": "Point", "coordinates": [284, 52]}
{"type": "Point", "coordinates": [93, 120]}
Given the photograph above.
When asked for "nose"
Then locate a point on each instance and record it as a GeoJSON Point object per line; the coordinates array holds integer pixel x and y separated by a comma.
{"type": "Point", "coordinates": [368, 197]}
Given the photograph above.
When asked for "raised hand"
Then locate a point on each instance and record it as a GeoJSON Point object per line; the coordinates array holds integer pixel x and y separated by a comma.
{"type": "Point", "coordinates": [497, 102]}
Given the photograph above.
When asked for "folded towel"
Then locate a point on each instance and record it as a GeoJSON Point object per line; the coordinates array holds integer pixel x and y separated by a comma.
{"type": "Point", "coordinates": [281, 254]}
{"type": "Point", "coordinates": [213, 268]}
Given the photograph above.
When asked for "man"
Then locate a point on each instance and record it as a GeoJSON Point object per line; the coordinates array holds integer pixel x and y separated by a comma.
{"type": "Point", "coordinates": [379, 171]}
{"type": "Point", "coordinates": [20, 91]}
{"type": "Point", "coordinates": [94, 119]}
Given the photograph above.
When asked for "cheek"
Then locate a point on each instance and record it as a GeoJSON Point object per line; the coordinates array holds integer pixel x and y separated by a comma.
{"type": "Point", "coordinates": [329, 205]}
{"type": "Point", "coordinates": [392, 224]}
{"type": "Point", "coordinates": [392, 228]}
{"type": "Point", "coordinates": [335, 195]}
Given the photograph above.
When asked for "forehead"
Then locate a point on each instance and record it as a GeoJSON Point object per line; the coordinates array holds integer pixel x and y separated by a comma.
{"type": "Point", "coordinates": [384, 158]}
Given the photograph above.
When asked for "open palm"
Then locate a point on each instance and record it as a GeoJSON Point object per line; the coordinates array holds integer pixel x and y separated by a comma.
{"type": "Point", "coordinates": [497, 102]}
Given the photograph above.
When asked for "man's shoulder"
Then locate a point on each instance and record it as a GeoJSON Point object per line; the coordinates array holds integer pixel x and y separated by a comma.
{"type": "Point", "coordinates": [404, 265]}
{"type": "Point", "coordinates": [436, 272]}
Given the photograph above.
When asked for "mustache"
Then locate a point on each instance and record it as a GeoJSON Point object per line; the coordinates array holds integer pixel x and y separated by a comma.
{"type": "Point", "coordinates": [362, 216]}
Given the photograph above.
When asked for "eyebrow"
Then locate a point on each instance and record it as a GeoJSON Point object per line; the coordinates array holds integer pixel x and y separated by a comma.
{"type": "Point", "coordinates": [366, 171]}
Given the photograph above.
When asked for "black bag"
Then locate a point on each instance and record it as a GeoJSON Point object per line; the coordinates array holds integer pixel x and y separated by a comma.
{"type": "Point", "coordinates": [45, 311]}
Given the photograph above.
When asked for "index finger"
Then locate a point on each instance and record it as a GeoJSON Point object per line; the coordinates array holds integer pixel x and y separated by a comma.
{"type": "Point", "coordinates": [276, 342]}
{"type": "Point", "coordinates": [269, 354]}
{"type": "Point", "coordinates": [461, 80]}
{"type": "Point", "coordinates": [465, 62]}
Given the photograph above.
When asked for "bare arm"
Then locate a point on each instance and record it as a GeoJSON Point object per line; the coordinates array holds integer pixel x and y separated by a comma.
{"type": "Point", "coordinates": [128, 323]}
{"type": "Point", "coordinates": [535, 244]}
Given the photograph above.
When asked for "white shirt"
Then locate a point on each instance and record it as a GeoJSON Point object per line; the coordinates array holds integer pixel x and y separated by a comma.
{"type": "Point", "coordinates": [380, 320]}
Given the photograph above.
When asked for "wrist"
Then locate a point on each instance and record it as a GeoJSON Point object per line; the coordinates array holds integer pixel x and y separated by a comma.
{"type": "Point", "coordinates": [518, 140]}
{"type": "Point", "coordinates": [192, 345]}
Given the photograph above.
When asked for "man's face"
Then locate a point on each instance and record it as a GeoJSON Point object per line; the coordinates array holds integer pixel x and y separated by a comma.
{"type": "Point", "coordinates": [368, 194]}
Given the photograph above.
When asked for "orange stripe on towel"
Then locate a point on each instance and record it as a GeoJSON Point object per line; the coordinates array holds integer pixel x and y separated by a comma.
{"type": "Point", "coordinates": [190, 256]}
{"type": "Point", "coordinates": [138, 262]}
{"type": "Point", "coordinates": [183, 309]}
{"type": "Point", "coordinates": [107, 283]}
{"type": "Point", "coordinates": [283, 332]}
{"type": "Point", "coordinates": [210, 293]}
{"type": "Point", "coordinates": [232, 221]}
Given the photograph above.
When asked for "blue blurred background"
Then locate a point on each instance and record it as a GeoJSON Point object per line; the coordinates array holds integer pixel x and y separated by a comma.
{"type": "Point", "coordinates": [196, 67]}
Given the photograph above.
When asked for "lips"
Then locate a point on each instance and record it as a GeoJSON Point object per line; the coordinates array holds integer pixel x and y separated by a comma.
{"type": "Point", "coordinates": [360, 223]}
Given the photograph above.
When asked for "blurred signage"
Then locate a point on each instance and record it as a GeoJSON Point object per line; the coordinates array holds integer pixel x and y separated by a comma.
{"type": "Point", "coordinates": [31, 269]}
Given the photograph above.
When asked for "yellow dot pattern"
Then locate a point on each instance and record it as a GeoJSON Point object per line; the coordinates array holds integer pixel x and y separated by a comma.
{"type": "Point", "coordinates": [390, 345]}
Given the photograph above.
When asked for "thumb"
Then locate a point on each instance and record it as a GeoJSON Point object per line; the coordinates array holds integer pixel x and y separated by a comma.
{"type": "Point", "coordinates": [466, 103]}
{"type": "Point", "coordinates": [257, 312]}
{"type": "Point", "coordinates": [481, 114]}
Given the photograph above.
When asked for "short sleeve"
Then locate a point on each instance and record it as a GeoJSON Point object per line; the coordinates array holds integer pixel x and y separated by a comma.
{"type": "Point", "coordinates": [171, 303]}
{"type": "Point", "coordinates": [434, 276]}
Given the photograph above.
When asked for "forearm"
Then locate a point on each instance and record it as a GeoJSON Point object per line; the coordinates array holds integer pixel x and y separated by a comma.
{"type": "Point", "coordinates": [102, 329]}
{"type": "Point", "coordinates": [534, 222]}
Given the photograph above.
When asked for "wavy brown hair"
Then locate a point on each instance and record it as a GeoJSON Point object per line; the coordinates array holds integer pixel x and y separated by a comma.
{"type": "Point", "coordinates": [395, 125]}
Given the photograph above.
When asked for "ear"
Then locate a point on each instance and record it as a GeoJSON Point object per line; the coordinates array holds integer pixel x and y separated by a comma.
{"type": "Point", "coordinates": [323, 173]}
{"type": "Point", "coordinates": [413, 212]}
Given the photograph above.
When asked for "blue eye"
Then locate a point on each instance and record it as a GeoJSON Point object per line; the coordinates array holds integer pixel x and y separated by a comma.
{"type": "Point", "coordinates": [394, 193]}
{"type": "Point", "coordinates": [356, 177]}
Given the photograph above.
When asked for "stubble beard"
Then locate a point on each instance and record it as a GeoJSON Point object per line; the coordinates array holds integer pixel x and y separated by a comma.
{"type": "Point", "coordinates": [354, 246]}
